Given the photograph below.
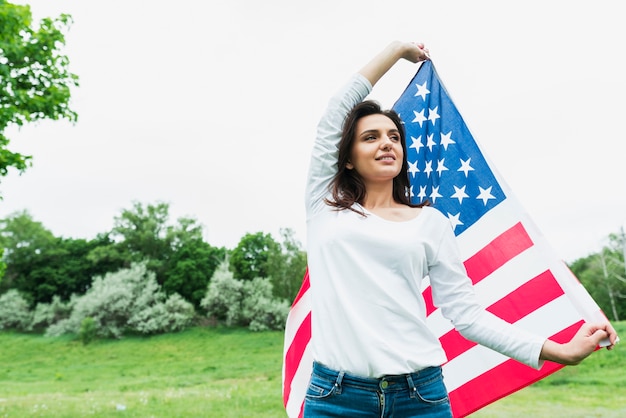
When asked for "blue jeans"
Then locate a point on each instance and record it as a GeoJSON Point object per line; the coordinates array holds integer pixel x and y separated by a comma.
{"type": "Point", "coordinates": [338, 394]}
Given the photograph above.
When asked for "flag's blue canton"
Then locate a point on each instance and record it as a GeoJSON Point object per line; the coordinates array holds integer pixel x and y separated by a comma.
{"type": "Point", "coordinates": [445, 165]}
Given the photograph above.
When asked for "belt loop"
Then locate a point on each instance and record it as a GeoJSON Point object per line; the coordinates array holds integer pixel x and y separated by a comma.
{"type": "Point", "coordinates": [338, 382]}
{"type": "Point", "coordinates": [412, 388]}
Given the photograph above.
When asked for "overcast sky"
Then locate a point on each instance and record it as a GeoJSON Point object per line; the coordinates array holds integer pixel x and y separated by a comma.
{"type": "Point", "coordinates": [211, 106]}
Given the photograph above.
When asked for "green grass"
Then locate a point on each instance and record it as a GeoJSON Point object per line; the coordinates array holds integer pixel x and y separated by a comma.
{"type": "Point", "coordinates": [202, 372]}
{"type": "Point", "coordinates": [217, 372]}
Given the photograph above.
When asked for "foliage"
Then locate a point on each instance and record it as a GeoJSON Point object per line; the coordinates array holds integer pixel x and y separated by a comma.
{"type": "Point", "coordinates": [35, 81]}
{"type": "Point", "coordinates": [129, 300]}
{"type": "Point", "coordinates": [223, 297]}
{"type": "Point", "coordinates": [19, 231]}
{"type": "Point", "coordinates": [260, 311]}
{"type": "Point", "coordinates": [3, 265]}
{"type": "Point", "coordinates": [23, 240]}
{"type": "Point", "coordinates": [247, 303]}
{"type": "Point", "coordinates": [46, 314]}
{"type": "Point", "coordinates": [144, 234]}
{"type": "Point", "coordinates": [249, 259]}
{"type": "Point", "coordinates": [284, 263]}
{"type": "Point", "coordinates": [43, 266]}
{"type": "Point", "coordinates": [87, 332]}
{"type": "Point", "coordinates": [286, 267]}
{"type": "Point", "coordinates": [191, 268]}
{"type": "Point", "coordinates": [603, 275]}
{"type": "Point", "coordinates": [173, 314]}
{"type": "Point", "coordinates": [14, 312]}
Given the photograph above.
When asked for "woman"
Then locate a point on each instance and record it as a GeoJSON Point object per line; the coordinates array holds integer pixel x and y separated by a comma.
{"type": "Point", "coordinates": [368, 250]}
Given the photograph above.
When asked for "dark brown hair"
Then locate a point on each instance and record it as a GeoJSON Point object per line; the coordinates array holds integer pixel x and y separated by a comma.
{"type": "Point", "coordinates": [347, 187]}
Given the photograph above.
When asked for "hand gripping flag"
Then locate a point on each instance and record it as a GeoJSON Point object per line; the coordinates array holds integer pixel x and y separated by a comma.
{"type": "Point", "coordinates": [516, 274]}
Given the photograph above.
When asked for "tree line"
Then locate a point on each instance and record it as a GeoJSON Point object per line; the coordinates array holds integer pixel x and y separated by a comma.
{"type": "Point", "coordinates": [145, 270]}
{"type": "Point", "coordinates": [151, 275]}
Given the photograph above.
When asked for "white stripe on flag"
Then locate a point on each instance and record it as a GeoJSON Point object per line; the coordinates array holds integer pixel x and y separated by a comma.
{"type": "Point", "coordinates": [298, 312]}
{"type": "Point", "coordinates": [299, 384]}
{"type": "Point", "coordinates": [494, 287]}
{"type": "Point", "coordinates": [478, 360]}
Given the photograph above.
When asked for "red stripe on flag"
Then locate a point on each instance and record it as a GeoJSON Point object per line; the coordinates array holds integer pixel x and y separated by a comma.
{"type": "Point", "coordinates": [508, 377]}
{"type": "Point", "coordinates": [294, 354]}
{"type": "Point", "coordinates": [528, 297]}
{"type": "Point", "coordinates": [303, 287]}
{"type": "Point", "coordinates": [491, 257]}
{"type": "Point", "coordinates": [524, 300]}
{"type": "Point", "coordinates": [495, 254]}
{"type": "Point", "coordinates": [454, 344]}
{"type": "Point", "coordinates": [428, 301]}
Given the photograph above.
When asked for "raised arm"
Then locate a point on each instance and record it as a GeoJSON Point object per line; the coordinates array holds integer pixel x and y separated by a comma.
{"type": "Point", "coordinates": [384, 60]}
{"type": "Point", "coordinates": [323, 165]}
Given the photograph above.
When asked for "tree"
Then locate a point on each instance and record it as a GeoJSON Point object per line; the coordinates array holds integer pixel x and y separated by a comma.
{"type": "Point", "coordinates": [603, 276]}
{"type": "Point", "coordinates": [249, 259]}
{"type": "Point", "coordinates": [41, 265]}
{"type": "Point", "coordinates": [3, 266]}
{"type": "Point", "coordinates": [23, 240]}
{"type": "Point", "coordinates": [35, 82]}
{"type": "Point", "coordinates": [191, 268]}
{"type": "Point", "coordinates": [286, 266]}
{"type": "Point", "coordinates": [144, 233]}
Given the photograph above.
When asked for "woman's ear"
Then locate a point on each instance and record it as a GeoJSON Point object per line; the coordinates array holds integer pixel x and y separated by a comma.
{"type": "Point", "coordinates": [349, 165]}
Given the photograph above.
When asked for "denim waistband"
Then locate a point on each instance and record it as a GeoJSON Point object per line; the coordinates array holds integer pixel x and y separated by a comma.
{"type": "Point", "coordinates": [384, 383]}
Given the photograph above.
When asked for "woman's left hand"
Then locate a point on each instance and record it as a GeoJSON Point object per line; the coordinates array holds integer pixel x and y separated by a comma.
{"type": "Point", "coordinates": [584, 342]}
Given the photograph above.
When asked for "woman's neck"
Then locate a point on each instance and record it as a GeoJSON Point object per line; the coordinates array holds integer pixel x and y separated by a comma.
{"type": "Point", "coordinates": [379, 196]}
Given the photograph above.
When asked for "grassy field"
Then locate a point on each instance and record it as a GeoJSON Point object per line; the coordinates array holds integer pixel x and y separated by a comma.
{"type": "Point", "coordinates": [209, 372]}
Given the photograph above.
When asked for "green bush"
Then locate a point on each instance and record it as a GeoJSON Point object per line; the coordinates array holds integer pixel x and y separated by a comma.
{"type": "Point", "coordinates": [87, 331]}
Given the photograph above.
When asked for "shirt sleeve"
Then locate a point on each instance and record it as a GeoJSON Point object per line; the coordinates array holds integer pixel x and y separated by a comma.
{"type": "Point", "coordinates": [323, 164]}
{"type": "Point", "coordinates": [453, 293]}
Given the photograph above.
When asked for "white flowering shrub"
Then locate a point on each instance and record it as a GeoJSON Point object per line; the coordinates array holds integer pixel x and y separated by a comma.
{"type": "Point", "coordinates": [14, 311]}
{"type": "Point", "coordinates": [127, 300]}
{"type": "Point", "coordinates": [259, 309]}
{"type": "Point", "coordinates": [46, 314]}
{"type": "Point", "coordinates": [174, 314]}
{"type": "Point", "coordinates": [223, 297]}
{"type": "Point", "coordinates": [243, 303]}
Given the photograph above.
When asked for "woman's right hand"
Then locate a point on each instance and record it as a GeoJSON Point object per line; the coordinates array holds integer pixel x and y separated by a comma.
{"type": "Point", "coordinates": [381, 63]}
{"type": "Point", "coordinates": [414, 52]}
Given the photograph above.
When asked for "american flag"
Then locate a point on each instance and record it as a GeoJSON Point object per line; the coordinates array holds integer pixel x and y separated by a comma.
{"type": "Point", "coordinates": [516, 274]}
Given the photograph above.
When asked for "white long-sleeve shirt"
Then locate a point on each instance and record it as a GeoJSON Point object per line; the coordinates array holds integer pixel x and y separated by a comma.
{"type": "Point", "coordinates": [368, 312]}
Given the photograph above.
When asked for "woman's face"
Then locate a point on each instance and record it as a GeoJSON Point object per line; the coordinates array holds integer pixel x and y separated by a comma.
{"type": "Point", "coordinates": [377, 153]}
